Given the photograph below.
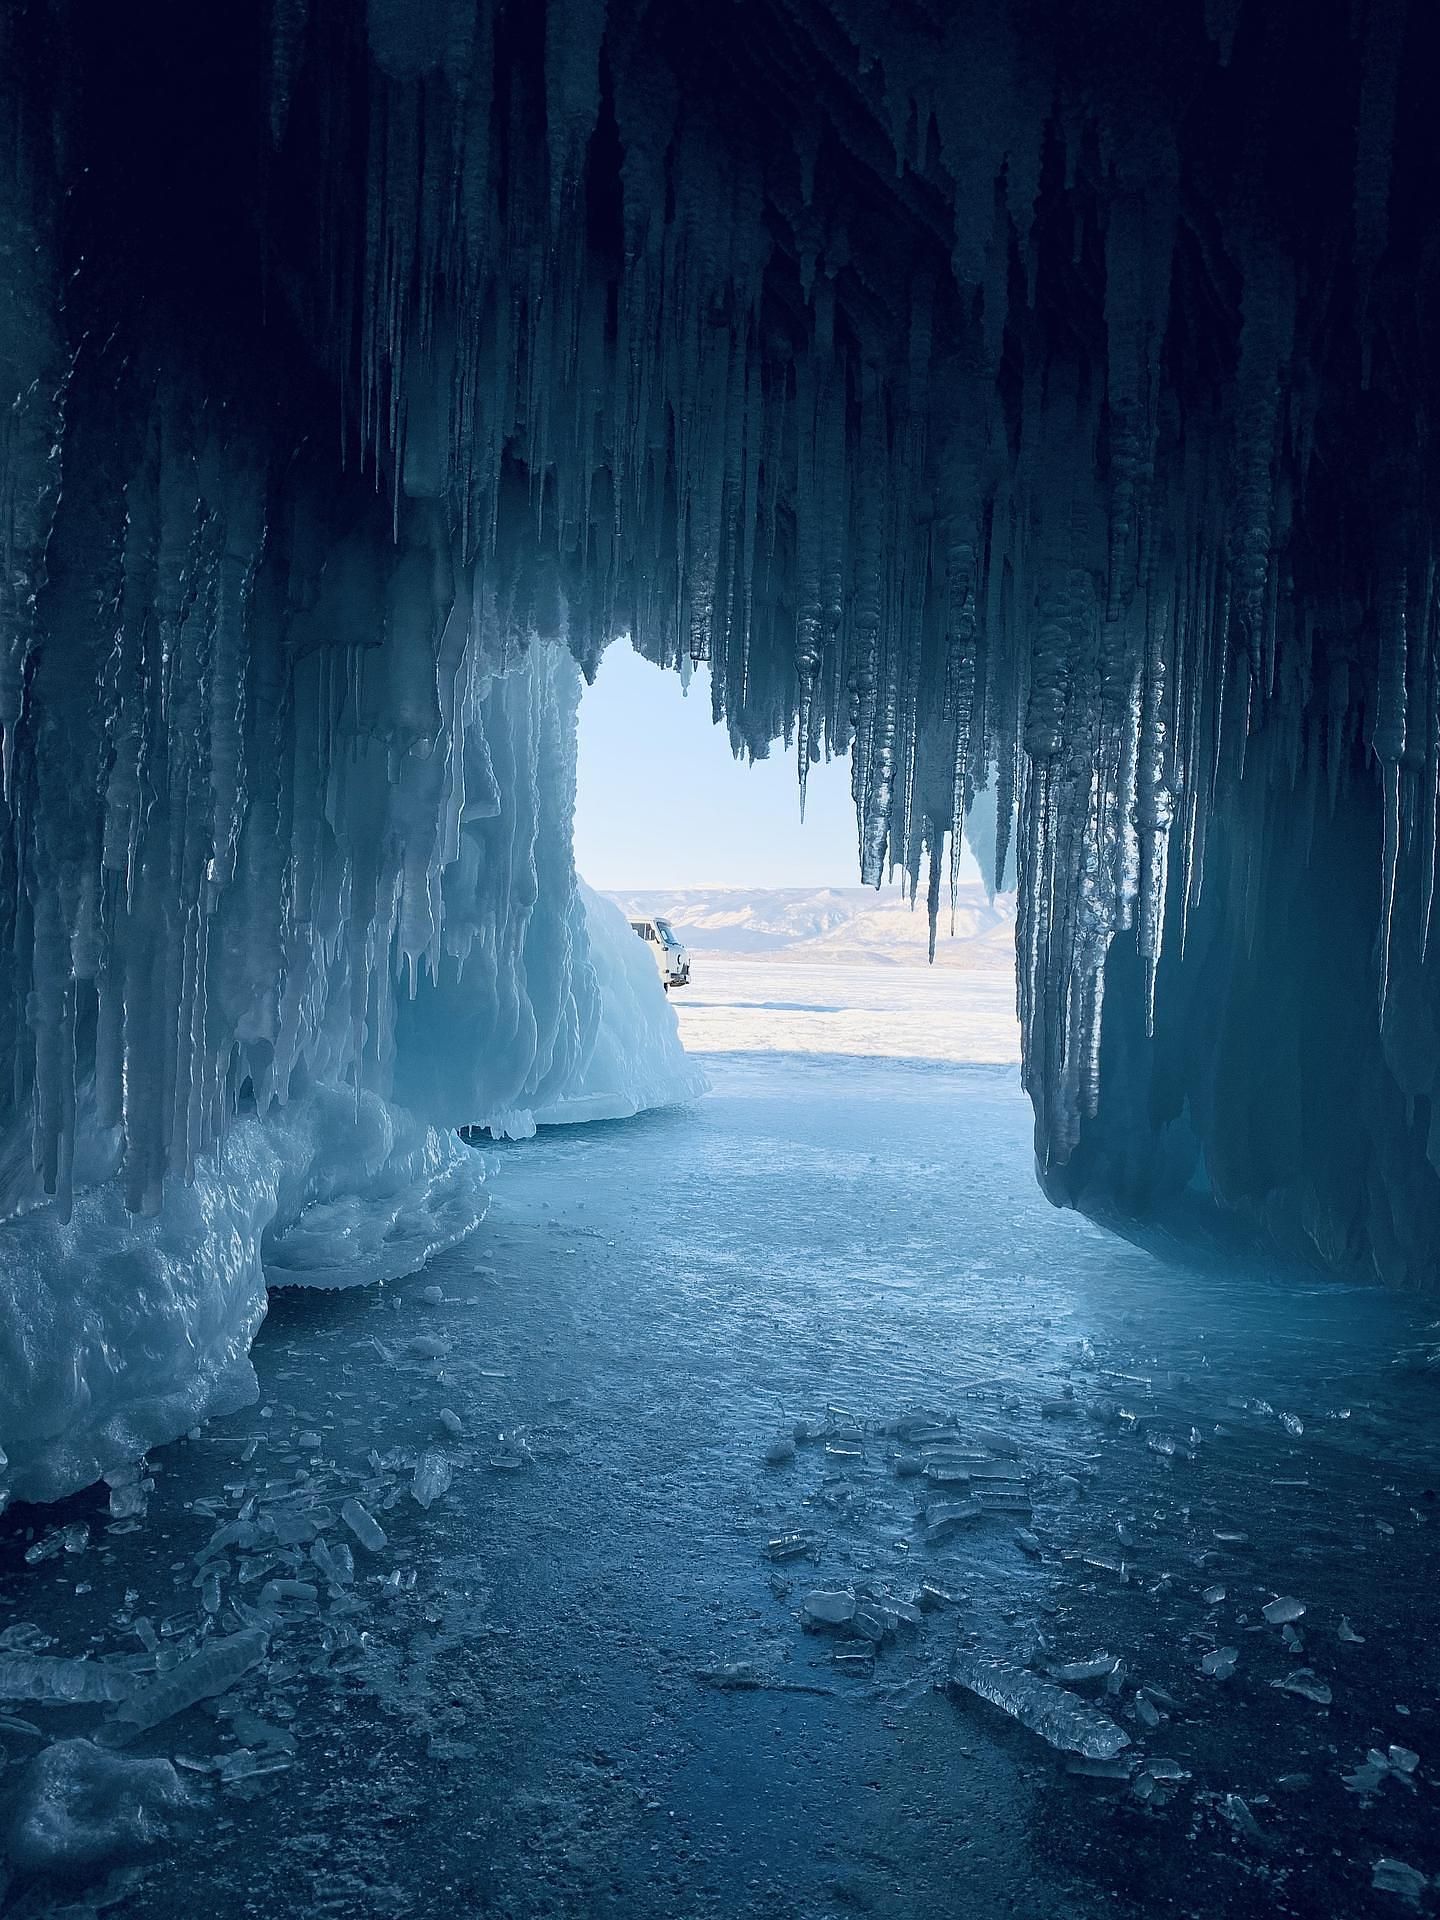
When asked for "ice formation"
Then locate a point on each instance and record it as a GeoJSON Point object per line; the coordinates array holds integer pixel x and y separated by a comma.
{"type": "Point", "coordinates": [1029, 410]}
{"type": "Point", "coordinates": [79, 1808]}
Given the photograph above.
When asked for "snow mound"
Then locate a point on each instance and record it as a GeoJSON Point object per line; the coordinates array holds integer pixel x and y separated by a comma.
{"type": "Point", "coordinates": [637, 1061]}
{"type": "Point", "coordinates": [118, 1332]}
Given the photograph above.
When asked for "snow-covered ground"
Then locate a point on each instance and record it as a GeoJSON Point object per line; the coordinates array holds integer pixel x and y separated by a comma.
{"type": "Point", "coordinates": [551, 1667]}
{"type": "Point", "coordinates": [752, 1004]}
{"type": "Point", "coordinates": [842, 970]}
{"type": "Point", "coordinates": [830, 926]}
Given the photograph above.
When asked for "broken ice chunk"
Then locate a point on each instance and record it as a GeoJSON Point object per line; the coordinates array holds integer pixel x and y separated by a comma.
{"type": "Point", "coordinates": [1237, 1812]}
{"type": "Point", "coordinates": [1348, 1634]}
{"type": "Point", "coordinates": [1163, 1772]}
{"type": "Point", "coordinates": [432, 1295]}
{"type": "Point", "coordinates": [245, 1764]}
{"type": "Point", "coordinates": [828, 1607]}
{"type": "Point", "coordinates": [1098, 1666]}
{"type": "Point", "coordinates": [1307, 1684]}
{"type": "Point", "coordinates": [335, 1563]}
{"type": "Point", "coordinates": [945, 1516]}
{"type": "Point", "coordinates": [859, 1661]}
{"type": "Point", "coordinates": [431, 1479]}
{"type": "Point", "coordinates": [1394, 1876]}
{"type": "Point", "coordinates": [300, 1595]}
{"type": "Point", "coordinates": [363, 1524]}
{"type": "Point", "coordinates": [871, 1624]}
{"type": "Point", "coordinates": [213, 1670]}
{"type": "Point", "coordinates": [128, 1501]}
{"type": "Point", "coordinates": [294, 1529]}
{"type": "Point", "coordinates": [1145, 1713]}
{"type": "Point", "coordinates": [1027, 1542]}
{"type": "Point", "coordinates": [1116, 1769]}
{"type": "Point", "coordinates": [1068, 1724]}
{"type": "Point", "coordinates": [1220, 1663]}
{"type": "Point", "coordinates": [780, 1450]}
{"type": "Point", "coordinates": [789, 1546]}
{"type": "Point", "coordinates": [60, 1682]}
{"type": "Point", "coordinates": [1002, 1500]}
{"type": "Point", "coordinates": [451, 1422]}
{"type": "Point", "coordinates": [1279, 1612]}
{"type": "Point", "coordinates": [79, 1807]}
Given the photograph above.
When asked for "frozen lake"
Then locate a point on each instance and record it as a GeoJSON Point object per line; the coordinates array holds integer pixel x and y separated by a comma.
{"type": "Point", "coordinates": [901, 1012]}
{"type": "Point", "coordinates": [579, 1683]}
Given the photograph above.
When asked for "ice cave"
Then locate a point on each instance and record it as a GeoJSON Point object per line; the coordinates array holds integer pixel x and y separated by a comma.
{"type": "Point", "coordinates": [451, 1461]}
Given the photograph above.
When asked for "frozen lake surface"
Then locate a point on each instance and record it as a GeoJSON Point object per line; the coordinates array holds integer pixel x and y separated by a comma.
{"type": "Point", "coordinates": [579, 1682]}
{"type": "Point", "coordinates": [898, 1013]}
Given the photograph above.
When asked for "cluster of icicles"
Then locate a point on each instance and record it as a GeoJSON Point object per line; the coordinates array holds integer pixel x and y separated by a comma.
{"type": "Point", "coordinates": [973, 512]}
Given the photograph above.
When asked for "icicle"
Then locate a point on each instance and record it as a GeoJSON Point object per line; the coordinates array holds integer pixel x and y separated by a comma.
{"type": "Point", "coordinates": [1388, 744]}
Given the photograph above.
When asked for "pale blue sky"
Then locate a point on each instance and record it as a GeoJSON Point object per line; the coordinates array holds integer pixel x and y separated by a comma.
{"type": "Point", "coordinates": [661, 803]}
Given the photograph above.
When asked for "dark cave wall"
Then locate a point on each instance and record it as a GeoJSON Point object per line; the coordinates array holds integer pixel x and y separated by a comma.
{"type": "Point", "coordinates": [1268, 1087]}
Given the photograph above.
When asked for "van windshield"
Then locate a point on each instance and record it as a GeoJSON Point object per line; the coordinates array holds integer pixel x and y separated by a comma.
{"type": "Point", "coordinates": [662, 927]}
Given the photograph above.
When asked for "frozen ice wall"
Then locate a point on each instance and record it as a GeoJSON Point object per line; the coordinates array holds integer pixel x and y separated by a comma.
{"type": "Point", "coordinates": [530, 1001]}
{"type": "Point", "coordinates": [1026, 408]}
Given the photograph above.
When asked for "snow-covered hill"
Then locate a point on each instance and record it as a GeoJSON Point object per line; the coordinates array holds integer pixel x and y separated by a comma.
{"type": "Point", "coordinates": [844, 925]}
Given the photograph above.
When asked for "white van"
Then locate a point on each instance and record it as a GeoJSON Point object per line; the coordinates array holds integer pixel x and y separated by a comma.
{"type": "Point", "coordinates": [671, 958]}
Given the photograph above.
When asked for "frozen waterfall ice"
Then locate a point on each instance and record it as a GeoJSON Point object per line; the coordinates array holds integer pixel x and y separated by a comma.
{"type": "Point", "coordinates": [120, 1330]}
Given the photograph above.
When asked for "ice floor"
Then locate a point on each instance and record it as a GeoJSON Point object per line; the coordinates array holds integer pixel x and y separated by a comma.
{"type": "Point", "coordinates": [578, 1683]}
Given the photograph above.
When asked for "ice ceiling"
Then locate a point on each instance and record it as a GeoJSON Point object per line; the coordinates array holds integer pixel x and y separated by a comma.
{"type": "Point", "coordinates": [1021, 396]}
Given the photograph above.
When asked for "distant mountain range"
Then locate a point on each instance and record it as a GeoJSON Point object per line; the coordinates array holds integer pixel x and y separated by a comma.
{"type": "Point", "coordinates": [839, 925]}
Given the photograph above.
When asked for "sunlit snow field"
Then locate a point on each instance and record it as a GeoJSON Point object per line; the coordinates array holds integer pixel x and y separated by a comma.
{"type": "Point", "coordinates": [744, 1005]}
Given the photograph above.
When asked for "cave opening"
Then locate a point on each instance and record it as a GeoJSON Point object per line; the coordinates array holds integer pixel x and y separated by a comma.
{"type": "Point", "coordinates": [447, 1457]}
